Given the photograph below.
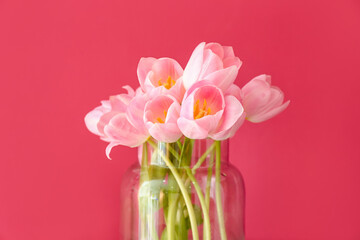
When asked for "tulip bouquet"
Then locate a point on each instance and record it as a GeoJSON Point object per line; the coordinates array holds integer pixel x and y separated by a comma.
{"type": "Point", "coordinates": [173, 108]}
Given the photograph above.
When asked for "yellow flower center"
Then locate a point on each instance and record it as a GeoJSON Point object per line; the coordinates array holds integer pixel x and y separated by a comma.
{"type": "Point", "coordinates": [168, 83]}
{"type": "Point", "coordinates": [161, 120]}
{"type": "Point", "coordinates": [201, 112]}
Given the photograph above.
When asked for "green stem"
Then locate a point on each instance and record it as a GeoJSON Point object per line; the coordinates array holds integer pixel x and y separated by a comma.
{"type": "Point", "coordinates": [219, 207]}
{"type": "Point", "coordinates": [202, 158]}
{"type": "Point", "coordinates": [153, 232]}
{"type": "Point", "coordinates": [171, 218]}
{"type": "Point", "coordinates": [183, 191]}
{"type": "Point", "coordinates": [144, 175]}
{"type": "Point", "coordinates": [185, 145]}
{"type": "Point", "coordinates": [179, 144]}
{"type": "Point", "coordinates": [208, 184]}
{"type": "Point", "coordinates": [202, 203]}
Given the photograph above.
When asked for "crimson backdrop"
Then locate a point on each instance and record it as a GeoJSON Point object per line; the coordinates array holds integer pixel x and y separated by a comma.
{"type": "Point", "coordinates": [58, 59]}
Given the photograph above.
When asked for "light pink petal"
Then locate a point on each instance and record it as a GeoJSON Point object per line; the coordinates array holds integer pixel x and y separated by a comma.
{"type": "Point", "coordinates": [191, 130]}
{"type": "Point", "coordinates": [93, 117]}
{"type": "Point", "coordinates": [130, 90]}
{"type": "Point", "coordinates": [231, 131]}
{"type": "Point", "coordinates": [109, 147]}
{"type": "Point", "coordinates": [263, 81]}
{"type": "Point", "coordinates": [232, 113]}
{"type": "Point", "coordinates": [216, 48]}
{"type": "Point", "coordinates": [135, 112]}
{"type": "Point", "coordinates": [228, 52]}
{"type": "Point", "coordinates": [165, 67]}
{"type": "Point", "coordinates": [104, 120]}
{"type": "Point", "coordinates": [106, 104]}
{"type": "Point", "coordinates": [155, 108]}
{"type": "Point", "coordinates": [261, 100]}
{"type": "Point", "coordinates": [197, 85]}
{"type": "Point", "coordinates": [173, 113]}
{"type": "Point", "coordinates": [276, 98]}
{"type": "Point", "coordinates": [223, 78]}
{"type": "Point", "coordinates": [270, 114]}
{"type": "Point", "coordinates": [210, 122]}
{"type": "Point", "coordinates": [213, 96]}
{"type": "Point", "coordinates": [211, 63]}
{"type": "Point", "coordinates": [193, 67]}
{"type": "Point", "coordinates": [177, 90]}
{"type": "Point", "coordinates": [122, 132]}
{"type": "Point", "coordinates": [139, 91]}
{"type": "Point", "coordinates": [235, 91]}
{"type": "Point", "coordinates": [144, 66]}
{"type": "Point", "coordinates": [120, 102]}
{"type": "Point", "coordinates": [256, 95]}
{"type": "Point", "coordinates": [232, 61]}
{"type": "Point", "coordinates": [187, 107]}
{"type": "Point", "coordinates": [168, 132]}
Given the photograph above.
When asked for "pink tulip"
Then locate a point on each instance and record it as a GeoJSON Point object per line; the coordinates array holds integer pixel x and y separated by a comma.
{"type": "Point", "coordinates": [206, 112]}
{"type": "Point", "coordinates": [162, 73]}
{"type": "Point", "coordinates": [261, 100]}
{"type": "Point", "coordinates": [96, 119]}
{"type": "Point", "coordinates": [214, 63]}
{"type": "Point", "coordinates": [161, 115]}
{"type": "Point", "coordinates": [111, 123]}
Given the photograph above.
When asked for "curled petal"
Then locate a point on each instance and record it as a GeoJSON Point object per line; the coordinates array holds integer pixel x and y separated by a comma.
{"type": "Point", "coordinates": [93, 117]}
{"type": "Point", "coordinates": [231, 120]}
{"type": "Point", "coordinates": [121, 131]}
{"type": "Point", "coordinates": [130, 90]}
{"type": "Point", "coordinates": [109, 148]}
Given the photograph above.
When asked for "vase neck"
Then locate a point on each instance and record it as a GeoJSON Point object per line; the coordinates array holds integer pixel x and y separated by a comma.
{"type": "Point", "coordinates": [188, 152]}
{"type": "Point", "coordinates": [203, 145]}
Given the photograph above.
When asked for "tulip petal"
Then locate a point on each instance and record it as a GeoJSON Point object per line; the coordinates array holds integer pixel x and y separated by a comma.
{"type": "Point", "coordinates": [135, 112]}
{"type": "Point", "coordinates": [144, 66]}
{"type": "Point", "coordinates": [228, 52]}
{"type": "Point", "coordinates": [93, 117]}
{"type": "Point", "coordinates": [191, 130]}
{"type": "Point", "coordinates": [211, 63]}
{"type": "Point", "coordinates": [231, 120]}
{"type": "Point", "coordinates": [193, 68]}
{"type": "Point", "coordinates": [210, 122]}
{"type": "Point", "coordinates": [121, 131]}
{"type": "Point", "coordinates": [169, 132]}
{"type": "Point", "coordinates": [232, 61]}
{"type": "Point", "coordinates": [235, 91]}
{"type": "Point", "coordinates": [165, 67]}
{"type": "Point", "coordinates": [216, 48]}
{"type": "Point", "coordinates": [109, 147]}
{"type": "Point", "coordinates": [223, 78]}
{"type": "Point", "coordinates": [104, 120]}
{"type": "Point", "coordinates": [270, 114]}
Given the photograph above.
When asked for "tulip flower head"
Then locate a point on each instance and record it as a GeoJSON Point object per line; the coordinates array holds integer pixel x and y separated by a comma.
{"type": "Point", "coordinates": [199, 102]}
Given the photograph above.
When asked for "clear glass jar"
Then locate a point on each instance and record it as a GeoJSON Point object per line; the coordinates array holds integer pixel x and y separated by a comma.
{"type": "Point", "coordinates": [181, 191]}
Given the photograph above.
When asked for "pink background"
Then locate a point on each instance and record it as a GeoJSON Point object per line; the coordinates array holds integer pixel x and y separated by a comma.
{"type": "Point", "coordinates": [58, 59]}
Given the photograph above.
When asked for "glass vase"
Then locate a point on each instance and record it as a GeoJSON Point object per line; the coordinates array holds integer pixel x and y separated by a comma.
{"type": "Point", "coordinates": [181, 191]}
